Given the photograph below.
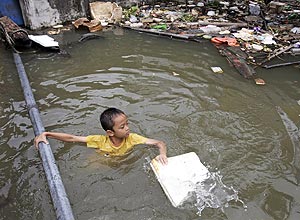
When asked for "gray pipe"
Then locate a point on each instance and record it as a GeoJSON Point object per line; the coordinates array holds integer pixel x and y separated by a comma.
{"type": "Point", "coordinates": [57, 190]}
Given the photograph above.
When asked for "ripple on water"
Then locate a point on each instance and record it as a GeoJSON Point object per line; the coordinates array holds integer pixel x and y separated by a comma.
{"type": "Point", "coordinates": [170, 93]}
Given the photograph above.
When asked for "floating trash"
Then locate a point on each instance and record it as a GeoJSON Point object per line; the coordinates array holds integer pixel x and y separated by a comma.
{"type": "Point", "coordinates": [216, 69]}
{"type": "Point", "coordinates": [259, 81]}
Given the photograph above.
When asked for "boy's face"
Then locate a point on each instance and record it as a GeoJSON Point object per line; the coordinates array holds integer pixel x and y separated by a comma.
{"type": "Point", "coordinates": [121, 128]}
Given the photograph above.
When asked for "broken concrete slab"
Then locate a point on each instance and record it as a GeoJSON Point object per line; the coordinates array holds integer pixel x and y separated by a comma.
{"type": "Point", "coordinates": [93, 25]}
{"type": "Point", "coordinates": [106, 11]}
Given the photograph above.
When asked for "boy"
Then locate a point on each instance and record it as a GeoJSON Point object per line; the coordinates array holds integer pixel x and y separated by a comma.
{"type": "Point", "coordinates": [117, 141]}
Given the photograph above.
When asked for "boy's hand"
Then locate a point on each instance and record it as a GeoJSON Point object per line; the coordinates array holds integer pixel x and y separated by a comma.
{"type": "Point", "coordinates": [40, 138]}
{"type": "Point", "coordinates": [162, 158]}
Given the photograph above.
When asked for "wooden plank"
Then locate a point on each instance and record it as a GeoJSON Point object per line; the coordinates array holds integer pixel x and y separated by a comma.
{"type": "Point", "coordinates": [13, 34]}
{"type": "Point", "coordinates": [281, 64]}
{"type": "Point", "coordinates": [12, 28]}
{"type": "Point", "coordinates": [281, 50]}
{"type": "Point", "coordinates": [238, 62]}
{"type": "Point", "coordinates": [151, 31]}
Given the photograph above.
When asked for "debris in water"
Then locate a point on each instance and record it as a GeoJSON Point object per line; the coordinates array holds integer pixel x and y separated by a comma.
{"type": "Point", "coordinates": [89, 36]}
{"type": "Point", "coordinates": [44, 40]}
{"type": "Point", "coordinates": [216, 69]}
{"type": "Point", "coordinates": [259, 81]}
{"type": "Point", "coordinates": [189, 184]}
{"type": "Point", "coordinates": [93, 25]}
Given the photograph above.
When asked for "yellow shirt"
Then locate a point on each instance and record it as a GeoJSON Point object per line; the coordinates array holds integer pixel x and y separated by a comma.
{"type": "Point", "coordinates": [103, 143]}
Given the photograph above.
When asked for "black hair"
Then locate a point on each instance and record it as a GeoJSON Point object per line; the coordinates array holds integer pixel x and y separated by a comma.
{"type": "Point", "coordinates": [107, 118]}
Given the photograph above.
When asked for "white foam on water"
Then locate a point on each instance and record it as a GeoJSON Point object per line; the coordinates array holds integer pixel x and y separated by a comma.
{"type": "Point", "coordinates": [212, 193]}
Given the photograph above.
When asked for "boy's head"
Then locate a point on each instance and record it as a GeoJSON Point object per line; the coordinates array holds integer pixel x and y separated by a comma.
{"type": "Point", "coordinates": [107, 118]}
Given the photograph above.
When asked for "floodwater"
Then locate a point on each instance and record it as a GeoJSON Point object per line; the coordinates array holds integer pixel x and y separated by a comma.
{"type": "Point", "coordinates": [169, 92]}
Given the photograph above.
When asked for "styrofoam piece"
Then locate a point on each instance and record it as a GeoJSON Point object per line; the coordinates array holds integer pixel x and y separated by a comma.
{"type": "Point", "coordinates": [216, 69]}
{"type": "Point", "coordinates": [180, 176]}
{"type": "Point", "coordinates": [44, 40]}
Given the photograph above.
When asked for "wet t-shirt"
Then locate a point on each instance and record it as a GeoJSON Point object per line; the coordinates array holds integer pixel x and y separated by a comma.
{"type": "Point", "coordinates": [103, 143]}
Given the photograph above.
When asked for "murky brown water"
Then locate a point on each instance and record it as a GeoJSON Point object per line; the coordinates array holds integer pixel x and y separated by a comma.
{"type": "Point", "coordinates": [231, 123]}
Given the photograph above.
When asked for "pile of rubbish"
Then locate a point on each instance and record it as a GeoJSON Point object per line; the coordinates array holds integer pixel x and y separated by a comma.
{"type": "Point", "coordinates": [248, 33]}
{"type": "Point", "coordinates": [253, 25]}
{"type": "Point", "coordinates": [257, 31]}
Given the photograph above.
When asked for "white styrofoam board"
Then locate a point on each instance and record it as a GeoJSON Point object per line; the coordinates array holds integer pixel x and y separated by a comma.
{"type": "Point", "coordinates": [180, 176]}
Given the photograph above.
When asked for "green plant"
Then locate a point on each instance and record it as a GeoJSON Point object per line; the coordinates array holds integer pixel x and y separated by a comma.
{"type": "Point", "coordinates": [188, 18]}
{"type": "Point", "coordinates": [134, 10]}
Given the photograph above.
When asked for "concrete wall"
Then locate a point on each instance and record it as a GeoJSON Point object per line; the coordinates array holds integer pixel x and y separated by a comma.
{"type": "Point", "coordinates": [46, 13]}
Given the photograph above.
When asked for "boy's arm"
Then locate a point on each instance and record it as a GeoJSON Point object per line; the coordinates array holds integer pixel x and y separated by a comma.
{"type": "Point", "coordinates": [162, 157]}
{"type": "Point", "coordinates": [59, 136]}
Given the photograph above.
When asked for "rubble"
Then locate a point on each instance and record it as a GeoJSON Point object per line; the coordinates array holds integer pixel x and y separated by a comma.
{"type": "Point", "coordinates": [262, 30]}
{"type": "Point", "coordinates": [248, 33]}
{"type": "Point", "coordinates": [106, 12]}
{"type": "Point", "coordinates": [93, 25]}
